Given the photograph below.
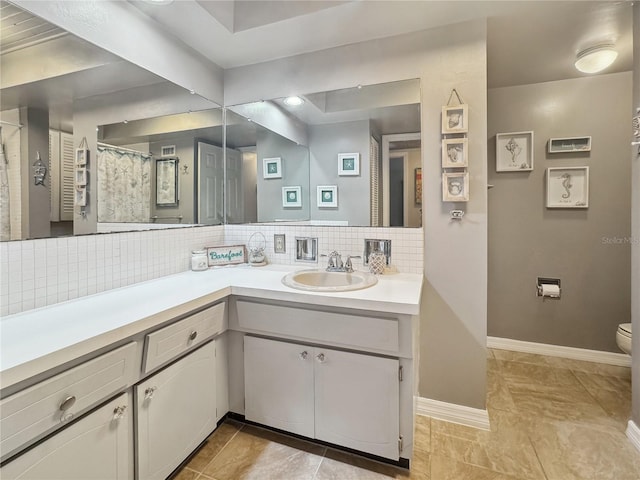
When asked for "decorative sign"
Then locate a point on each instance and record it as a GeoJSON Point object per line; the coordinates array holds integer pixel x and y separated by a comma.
{"type": "Point", "coordinates": [226, 255]}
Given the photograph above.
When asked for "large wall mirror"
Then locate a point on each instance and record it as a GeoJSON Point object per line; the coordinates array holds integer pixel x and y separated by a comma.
{"type": "Point", "coordinates": [354, 154]}
{"type": "Point", "coordinates": [166, 170]}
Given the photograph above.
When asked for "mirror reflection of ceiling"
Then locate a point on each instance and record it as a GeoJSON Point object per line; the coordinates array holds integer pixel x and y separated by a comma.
{"type": "Point", "coordinates": [45, 67]}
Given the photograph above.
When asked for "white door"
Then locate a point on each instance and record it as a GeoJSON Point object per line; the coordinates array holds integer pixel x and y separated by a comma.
{"type": "Point", "coordinates": [234, 190]}
{"type": "Point", "coordinates": [210, 184]}
{"type": "Point", "coordinates": [357, 401]}
{"type": "Point", "coordinates": [279, 385]}
{"type": "Point", "coordinates": [96, 447]}
{"type": "Point", "coordinates": [176, 411]}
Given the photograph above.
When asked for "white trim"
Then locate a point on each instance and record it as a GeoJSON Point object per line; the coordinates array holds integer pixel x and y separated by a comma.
{"type": "Point", "coordinates": [633, 434]}
{"type": "Point", "coordinates": [451, 412]}
{"type": "Point", "coordinates": [610, 358]}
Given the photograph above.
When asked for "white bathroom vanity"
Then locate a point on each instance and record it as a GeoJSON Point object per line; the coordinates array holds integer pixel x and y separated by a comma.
{"type": "Point", "coordinates": [128, 383]}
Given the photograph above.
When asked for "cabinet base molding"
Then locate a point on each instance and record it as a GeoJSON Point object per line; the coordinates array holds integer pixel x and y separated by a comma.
{"type": "Point", "coordinates": [402, 463]}
{"type": "Point", "coordinates": [451, 412]}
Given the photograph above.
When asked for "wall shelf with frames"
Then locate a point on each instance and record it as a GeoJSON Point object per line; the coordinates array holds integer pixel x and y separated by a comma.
{"type": "Point", "coordinates": [569, 144]}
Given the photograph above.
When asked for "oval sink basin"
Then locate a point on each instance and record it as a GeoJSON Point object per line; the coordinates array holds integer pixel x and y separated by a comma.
{"type": "Point", "coordinates": [323, 281]}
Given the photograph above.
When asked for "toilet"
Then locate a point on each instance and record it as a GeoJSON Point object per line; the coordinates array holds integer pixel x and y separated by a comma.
{"type": "Point", "coordinates": [623, 337]}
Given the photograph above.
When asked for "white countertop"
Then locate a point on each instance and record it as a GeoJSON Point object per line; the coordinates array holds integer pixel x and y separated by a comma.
{"type": "Point", "coordinates": [38, 340]}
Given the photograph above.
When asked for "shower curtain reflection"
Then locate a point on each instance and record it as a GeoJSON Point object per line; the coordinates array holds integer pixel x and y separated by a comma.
{"type": "Point", "coordinates": [124, 185]}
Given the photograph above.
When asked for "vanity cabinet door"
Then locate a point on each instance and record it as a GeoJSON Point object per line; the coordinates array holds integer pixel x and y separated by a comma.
{"type": "Point", "coordinates": [176, 411]}
{"type": "Point", "coordinates": [97, 446]}
{"type": "Point", "coordinates": [357, 401]}
{"type": "Point", "coordinates": [279, 385]}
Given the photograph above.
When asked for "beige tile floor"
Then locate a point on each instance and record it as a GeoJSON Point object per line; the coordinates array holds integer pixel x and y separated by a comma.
{"type": "Point", "coordinates": [551, 419]}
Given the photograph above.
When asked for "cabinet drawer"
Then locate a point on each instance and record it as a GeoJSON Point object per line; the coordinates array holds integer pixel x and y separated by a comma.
{"type": "Point", "coordinates": [35, 410]}
{"type": "Point", "coordinates": [169, 342]}
{"type": "Point", "coordinates": [380, 334]}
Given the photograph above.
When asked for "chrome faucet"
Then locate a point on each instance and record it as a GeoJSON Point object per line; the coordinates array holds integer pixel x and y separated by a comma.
{"type": "Point", "coordinates": [335, 262]}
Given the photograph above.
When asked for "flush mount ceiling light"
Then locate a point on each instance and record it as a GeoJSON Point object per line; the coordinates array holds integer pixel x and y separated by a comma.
{"type": "Point", "coordinates": [596, 59]}
{"type": "Point", "coordinates": [293, 101]}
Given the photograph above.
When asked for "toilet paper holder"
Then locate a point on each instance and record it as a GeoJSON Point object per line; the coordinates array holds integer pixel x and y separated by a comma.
{"type": "Point", "coordinates": [548, 281]}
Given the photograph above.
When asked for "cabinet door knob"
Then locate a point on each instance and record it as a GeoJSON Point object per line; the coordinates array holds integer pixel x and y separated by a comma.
{"type": "Point", "coordinates": [149, 392]}
{"type": "Point", "coordinates": [68, 402]}
{"type": "Point", "coordinates": [193, 335]}
{"type": "Point", "coordinates": [118, 412]}
{"type": "Point", "coordinates": [320, 357]}
{"type": "Point", "coordinates": [304, 355]}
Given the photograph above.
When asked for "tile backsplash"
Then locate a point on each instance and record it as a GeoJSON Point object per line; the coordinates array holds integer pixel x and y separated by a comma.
{"type": "Point", "coordinates": [406, 243]}
{"type": "Point", "coordinates": [36, 273]}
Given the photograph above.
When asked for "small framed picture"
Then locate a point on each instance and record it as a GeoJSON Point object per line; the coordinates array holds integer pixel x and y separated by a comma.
{"type": "Point", "coordinates": [418, 185]}
{"type": "Point", "coordinates": [455, 187]}
{"type": "Point", "coordinates": [81, 176]}
{"type": "Point", "coordinates": [348, 164]}
{"type": "Point", "coordinates": [327, 196]}
{"type": "Point", "coordinates": [80, 197]}
{"type": "Point", "coordinates": [455, 119]}
{"type": "Point", "coordinates": [514, 152]}
{"type": "Point", "coordinates": [291, 197]}
{"type": "Point", "coordinates": [167, 182]}
{"type": "Point", "coordinates": [272, 167]}
{"type": "Point", "coordinates": [82, 157]}
{"type": "Point", "coordinates": [568, 187]}
{"type": "Point", "coordinates": [454, 153]}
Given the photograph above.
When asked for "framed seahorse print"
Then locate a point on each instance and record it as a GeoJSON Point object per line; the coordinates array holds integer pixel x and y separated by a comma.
{"type": "Point", "coordinates": [568, 187]}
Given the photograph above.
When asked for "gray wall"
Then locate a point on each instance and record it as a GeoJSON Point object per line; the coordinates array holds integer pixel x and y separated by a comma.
{"type": "Point", "coordinates": [635, 229]}
{"type": "Point", "coordinates": [527, 240]}
{"type": "Point", "coordinates": [294, 160]}
{"type": "Point", "coordinates": [325, 143]}
{"type": "Point", "coordinates": [454, 306]}
{"type": "Point", "coordinates": [36, 199]}
{"type": "Point", "coordinates": [185, 154]}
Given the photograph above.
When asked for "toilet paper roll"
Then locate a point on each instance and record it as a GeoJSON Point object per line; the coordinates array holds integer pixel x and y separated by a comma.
{"type": "Point", "coordinates": [549, 290]}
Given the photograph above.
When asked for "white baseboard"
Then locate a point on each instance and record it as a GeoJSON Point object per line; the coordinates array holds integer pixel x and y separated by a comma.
{"type": "Point", "coordinates": [633, 433]}
{"type": "Point", "coordinates": [451, 412]}
{"type": "Point", "coordinates": [610, 358]}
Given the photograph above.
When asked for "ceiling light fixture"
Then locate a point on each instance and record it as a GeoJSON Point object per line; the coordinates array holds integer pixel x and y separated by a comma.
{"type": "Point", "coordinates": [596, 59]}
{"type": "Point", "coordinates": [293, 101]}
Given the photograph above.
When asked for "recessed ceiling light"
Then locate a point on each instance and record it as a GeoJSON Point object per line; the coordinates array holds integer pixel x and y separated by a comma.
{"type": "Point", "coordinates": [595, 59]}
{"type": "Point", "coordinates": [293, 101]}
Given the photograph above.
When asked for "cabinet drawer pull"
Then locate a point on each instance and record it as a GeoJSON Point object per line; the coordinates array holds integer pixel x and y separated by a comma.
{"type": "Point", "coordinates": [149, 392]}
{"type": "Point", "coordinates": [320, 357]}
{"type": "Point", "coordinates": [193, 335]}
{"type": "Point", "coordinates": [118, 412]}
{"type": "Point", "coordinates": [304, 355]}
{"type": "Point", "coordinates": [67, 403]}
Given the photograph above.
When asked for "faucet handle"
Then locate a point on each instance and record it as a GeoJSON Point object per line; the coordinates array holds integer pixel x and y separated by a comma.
{"type": "Point", "coordinates": [348, 266]}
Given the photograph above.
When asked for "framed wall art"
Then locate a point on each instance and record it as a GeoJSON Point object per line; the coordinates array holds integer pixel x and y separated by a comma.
{"type": "Point", "coordinates": [327, 196]}
{"type": "Point", "coordinates": [455, 119]}
{"type": "Point", "coordinates": [348, 164]}
{"type": "Point", "coordinates": [291, 197]}
{"type": "Point", "coordinates": [167, 182]}
{"type": "Point", "coordinates": [455, 187]}
{"type": "Point", "coordinates": [418, 186]}
{"type": "Point", "coordinates": [455, 153]}
{"type": "Point", "coordinates": [272, 167]}
{"type": "Point", "coordinates": [568, 187]}
{"type": "Point", "coordinates": [569, 144]}
{"type": "Point", "coordinates": [514, 152]}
